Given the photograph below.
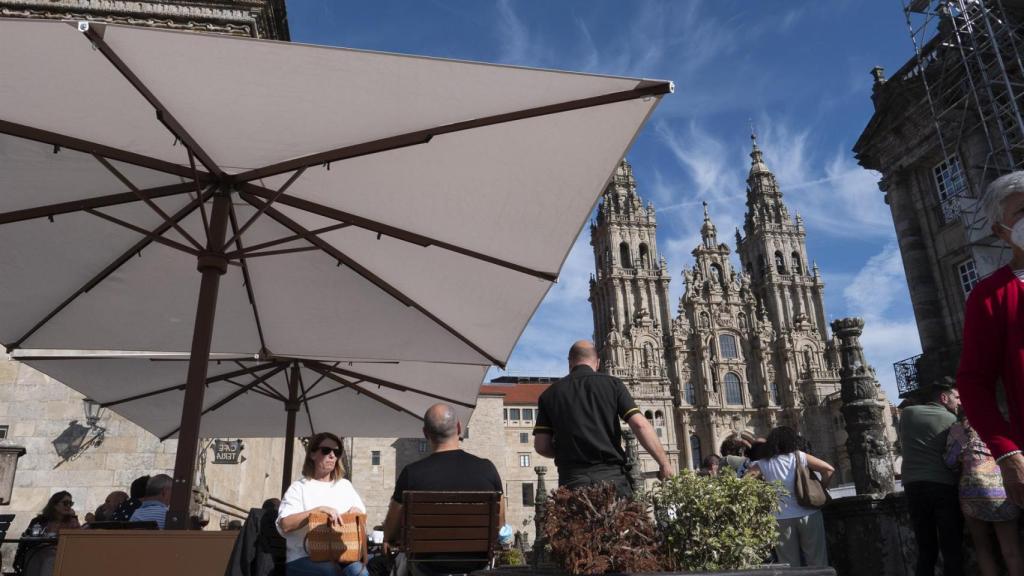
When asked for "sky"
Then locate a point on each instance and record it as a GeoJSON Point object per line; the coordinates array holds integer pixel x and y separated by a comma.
{"type": "Point", "coordinates": [797, 71]}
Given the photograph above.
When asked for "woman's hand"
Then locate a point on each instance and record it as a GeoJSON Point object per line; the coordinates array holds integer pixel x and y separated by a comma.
{"type": "Point", "coordinates": [334, 515]}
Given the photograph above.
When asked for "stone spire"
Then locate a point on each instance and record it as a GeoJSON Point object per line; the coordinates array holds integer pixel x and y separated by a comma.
{"type": "Point", "coordinates": [708, 233]}
{"type": "Point", "coordinates": [866, 443]}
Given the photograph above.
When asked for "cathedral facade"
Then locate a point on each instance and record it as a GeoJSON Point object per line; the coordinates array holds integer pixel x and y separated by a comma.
{"type": "Point", "coordinates": [747, 349]}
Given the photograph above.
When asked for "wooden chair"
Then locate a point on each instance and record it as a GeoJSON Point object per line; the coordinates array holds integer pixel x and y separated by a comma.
{"type": "Point", "coordinates": [450, 527]}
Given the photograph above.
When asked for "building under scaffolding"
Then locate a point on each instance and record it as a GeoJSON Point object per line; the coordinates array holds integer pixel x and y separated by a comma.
{"type": "Point", "coordinates": [945, 125]}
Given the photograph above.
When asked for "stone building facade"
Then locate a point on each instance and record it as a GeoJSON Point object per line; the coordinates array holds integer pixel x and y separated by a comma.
{"type": "Point", "coordinates": [945, 125]}
{"type": "Point", "coordinates": [748, 348]}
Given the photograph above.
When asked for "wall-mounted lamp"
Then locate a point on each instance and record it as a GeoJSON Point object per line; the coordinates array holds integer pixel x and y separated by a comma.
{"type": "Point", "coordinates": [93, 412]}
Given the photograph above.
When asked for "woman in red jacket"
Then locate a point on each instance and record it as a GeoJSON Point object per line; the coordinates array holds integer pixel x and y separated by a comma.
{"type": "Point", "coordinates": [993, 348]}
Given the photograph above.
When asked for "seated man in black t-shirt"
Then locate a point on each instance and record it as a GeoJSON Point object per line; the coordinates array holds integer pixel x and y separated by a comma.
{"type": "Point", "coordinates": [448, 468]}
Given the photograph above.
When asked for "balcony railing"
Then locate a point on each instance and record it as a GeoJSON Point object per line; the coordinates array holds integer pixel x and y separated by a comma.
{"type": "Point", "coordinates": [906, 375]}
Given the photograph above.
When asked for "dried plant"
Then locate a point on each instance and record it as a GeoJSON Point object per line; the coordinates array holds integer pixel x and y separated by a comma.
{"type": "Point", "coordinates": [591, 531]}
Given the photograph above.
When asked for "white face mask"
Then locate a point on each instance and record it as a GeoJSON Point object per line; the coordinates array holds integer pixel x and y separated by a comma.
{"type": "Point", "coordinates": [1016, 233]}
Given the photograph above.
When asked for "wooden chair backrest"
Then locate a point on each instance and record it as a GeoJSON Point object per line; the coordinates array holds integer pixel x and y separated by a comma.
{"type": "Point", "coordinates": [5, 524]}
{"type": "Point", "coordinates": [450, 522]}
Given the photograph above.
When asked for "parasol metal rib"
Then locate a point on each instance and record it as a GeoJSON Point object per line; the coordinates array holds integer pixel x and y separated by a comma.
{"type": "Point", "coordinates": [113, 266]}
{"type": "Point", "coordinates": [366, 274]}
{"type": "Point", "coordinates": [162, 113]}
{"type": "Point", "coordinates": [195, 178]}
{"type": "Point", "coordinates": [400, 234]}
{"type": "Point", "coordinates": [156, 238]}
{"type": "Point", "coordinates": [233, 220]}
{"type": "Point", "coordinates": [252, 219]}
{"type": "Point", "coordinates": [644, 89]}
{"type": "Point", "coordinates": [262, 391]}
{"type": "Point", "coordinates": [225, 376]}
{"type": "Point", "coordinates": [396, 386]}
{"type": "Point", "coordinates": [231, 397]}
{"type": "Point", "coordinates": [79, 145]}
{"type": "Point", "coordinates": [277, 252]}
{"type": "Point", "coordinates": [72, 206]}
{"type": "Point", "coordinates": [305, 401]}
{"type": "Point", "coordinates": [149, 202]}
{"type": "Point", "coordinates": [361, 390]}
{"type": "Point", "coordinates": [271, 243]}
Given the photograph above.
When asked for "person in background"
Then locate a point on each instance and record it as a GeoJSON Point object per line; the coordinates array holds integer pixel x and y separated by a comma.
{"type": "Point", "coordinates": [983, 501]}
{"type": "Point", "coordinates": [322, 488]}
{"type": "Point", "coordinates": [732, 450]}
{"type": "Point", "coordinates": [931, 488]}
{"type": "Point", "coordinates": [709, 467]}
{"type": "Point", "coordinates": [58, 514]}
{"type": "Point", "coordinates": [137, 492]}
{"type": "Point", "coordinates": [105, 511]}
{"type": "Point", "coordinates": [156, 501]}
{"type": "Point", "coordinates": [801, 530]}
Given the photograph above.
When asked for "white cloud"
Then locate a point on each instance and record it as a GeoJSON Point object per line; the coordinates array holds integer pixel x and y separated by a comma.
{"type": "Point", "coordinates": [890, 332]}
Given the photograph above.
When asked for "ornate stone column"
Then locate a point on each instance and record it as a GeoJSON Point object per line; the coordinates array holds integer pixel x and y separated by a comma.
{"type": "Point", "coordinates": [866, 443]}
{"type": "Point", "coordinates": [636, 480]}
{"type": "Point", "coordinates": [540, 506]}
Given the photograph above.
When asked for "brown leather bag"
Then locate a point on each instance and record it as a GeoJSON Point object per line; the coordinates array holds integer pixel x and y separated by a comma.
{"type": "Point", "coordinates": [809, 491]}
{"type": "Point", "coordinates": [326, 541]}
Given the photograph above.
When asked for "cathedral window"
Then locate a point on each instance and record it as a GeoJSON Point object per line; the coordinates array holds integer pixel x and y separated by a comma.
{"type": "Point", "coordinates": [649, 415]}
{"type": "Point", "coordinates": [773, 391]}
{"type": "Point", "coordinates": [528, 494]}
{"type": "Point", "coordinates": [727, 346]}
{"type": "Point", "coordinates": [780, 263]}
{"type": "Point", "coordinates": [733, 392]}
{"type": "Point", "coordinates": [524, 460]}
{"type": "Point", "coordinates": [690, 393]}
{"type": "Point", "coordinates": [645, 259]}
{"type": "Point", "coordinates": [951, 185]}
{"type": "Point", "coordinates": [695, 451]}
{"type": "Point", "coordinates": [797, 268]}
{"type": "Point", "coordinates": [624, 259]}
{"type": "Point", "coordinates": [659, 423]}
{"type": "Point", "coordinates": [968, 275]}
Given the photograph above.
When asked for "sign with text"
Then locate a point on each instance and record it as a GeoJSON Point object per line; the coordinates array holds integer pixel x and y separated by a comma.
{"type": "Point", "coordinates": [227, 451]}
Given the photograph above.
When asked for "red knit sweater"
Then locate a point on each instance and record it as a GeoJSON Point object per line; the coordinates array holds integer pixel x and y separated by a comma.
{"type": "Point", "coordinates": [993, 350]}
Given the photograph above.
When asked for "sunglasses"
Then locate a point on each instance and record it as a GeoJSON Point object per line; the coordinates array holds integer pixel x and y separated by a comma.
{"type": "Point", "coordinates": [67, 502]}
{"type": "Point", "coordinates": [325, 451]}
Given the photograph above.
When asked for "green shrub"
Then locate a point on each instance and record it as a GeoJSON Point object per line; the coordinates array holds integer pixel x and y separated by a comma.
{"type": "Point", "coordinates": [715, 522]}
{"type": "Point", "coordinates": [511, 557]}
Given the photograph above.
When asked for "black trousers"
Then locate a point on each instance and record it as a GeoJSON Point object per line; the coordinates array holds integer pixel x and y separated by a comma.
{"type": "Point", "coordinates": [577, 477]}
{"type": "Point", "coordinates": [938, 526]}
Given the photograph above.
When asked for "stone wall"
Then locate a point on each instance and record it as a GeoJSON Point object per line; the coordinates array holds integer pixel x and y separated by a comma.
{"type": "Point", "coordinates": [37, 409]}
{"type": "Point", "coordinates": [870, 536]}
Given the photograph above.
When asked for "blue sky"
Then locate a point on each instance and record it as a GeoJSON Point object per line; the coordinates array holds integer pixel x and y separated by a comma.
{"type": "Point", "coordinates": [799, 70]}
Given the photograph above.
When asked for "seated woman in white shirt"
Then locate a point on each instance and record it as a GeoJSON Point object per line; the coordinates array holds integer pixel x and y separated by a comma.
{"type": "Point", "coordinates": [801, 530]}
{"type": "Point", "coordinates": [322, 488]}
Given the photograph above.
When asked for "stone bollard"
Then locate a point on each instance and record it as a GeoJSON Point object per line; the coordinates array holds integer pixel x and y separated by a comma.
{"type": "Point", "coordinates": [540, 504]}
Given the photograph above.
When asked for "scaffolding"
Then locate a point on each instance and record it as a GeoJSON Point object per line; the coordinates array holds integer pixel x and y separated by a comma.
{"type": "Point", "coordinates": [967, 67]}
{"type": "Point", "coordinates": [968, 61]}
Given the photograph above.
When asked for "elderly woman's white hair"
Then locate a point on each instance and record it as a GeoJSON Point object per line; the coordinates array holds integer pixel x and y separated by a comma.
{"type": "Point", "coordinates": [996, 193]}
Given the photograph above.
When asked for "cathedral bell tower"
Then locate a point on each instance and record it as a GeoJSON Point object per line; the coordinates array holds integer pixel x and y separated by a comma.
{"type": "Point", "coordinates": [629, 298]}
{"type": "Point", "coordinates": [791, 292]}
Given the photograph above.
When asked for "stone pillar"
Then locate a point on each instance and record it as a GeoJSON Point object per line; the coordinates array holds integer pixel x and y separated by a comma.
{"type": "Point", "coordinates": [540, 505]}
{"type": "Point", "coordinates": [866, 444]}
{"type": "Point", "coordinates": [8, 465]}
{"type": "Point", "coordinates": [636, 480]}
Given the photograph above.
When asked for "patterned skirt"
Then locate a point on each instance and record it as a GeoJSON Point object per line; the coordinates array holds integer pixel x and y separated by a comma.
{"type": "Point", "coordinates": [983, 497]}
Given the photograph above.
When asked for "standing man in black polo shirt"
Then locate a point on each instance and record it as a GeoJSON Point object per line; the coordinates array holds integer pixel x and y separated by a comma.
{"type": "Point", "coordinates": [578, 425]}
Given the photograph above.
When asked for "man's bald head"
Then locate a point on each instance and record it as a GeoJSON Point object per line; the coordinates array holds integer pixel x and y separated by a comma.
{"type": "Point", "coordinates": [440, 424]}
{"type": "Point", "coordinates": [583, 352]}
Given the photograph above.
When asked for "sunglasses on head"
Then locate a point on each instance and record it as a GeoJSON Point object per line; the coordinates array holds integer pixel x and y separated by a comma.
{"type": "Point", "coordinates": [325, 451]}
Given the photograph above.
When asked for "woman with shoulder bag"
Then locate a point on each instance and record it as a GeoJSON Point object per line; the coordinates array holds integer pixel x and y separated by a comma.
{"type": "Point", "coordinates": [801, 528]}
{"type": "Point", "coordinates": [322, 492]}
